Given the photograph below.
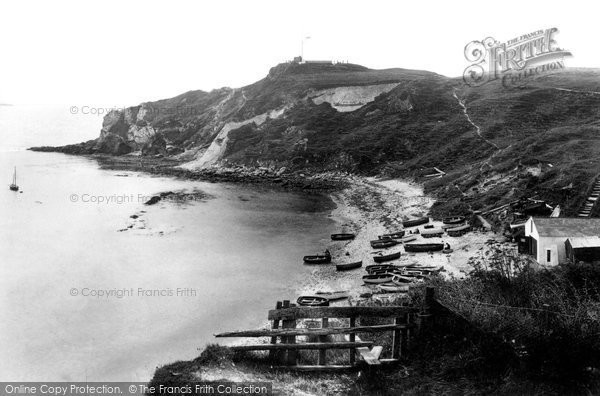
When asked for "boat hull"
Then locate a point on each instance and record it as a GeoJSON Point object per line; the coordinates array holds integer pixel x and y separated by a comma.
{"type": "Point", "coordinates": [383, 243]}
{"type": "Point", "coordinates": [386, 257]}
{"type": "Point", "coordinates": [408, 238]}
{"type": "Point", "coordinates": [312, 301]}
{"type": "Point", "coordinates": [432, 233]}
{"type": "Point", "coordinates": [376, 279]}
{"type": "Point", "coordinates": [393, 288]}
{"type": "Point", "coordinates": [453, 220]}
{"type": "Point", "coordinates": [317, 259]}
{"type": "Point", "coordinates": [342, 237]}
{"type": "Point", "coordinates": [393, 235]}
{"type": "Point", "coordinates": [348, 266]}
{"type": "Point", "coordinates": [415, 222]}
{"type": "Point", "coordinates": [423, 247]}
{"type": "Point", "coordinates": [458, 231]}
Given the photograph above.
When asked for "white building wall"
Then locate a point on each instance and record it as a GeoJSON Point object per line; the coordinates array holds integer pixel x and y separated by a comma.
{"type": "Point", "coordinates": [555, 244]}
{"type": "Point", "coordinates": [557, 250]}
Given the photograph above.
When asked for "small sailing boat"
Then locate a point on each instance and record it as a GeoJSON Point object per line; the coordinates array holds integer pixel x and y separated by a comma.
{"type": "Point", "coordinates": [14, 186]}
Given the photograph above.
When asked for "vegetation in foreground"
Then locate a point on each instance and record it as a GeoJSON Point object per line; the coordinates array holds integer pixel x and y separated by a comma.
{"type": "Point", "coordinates": [506, 329]}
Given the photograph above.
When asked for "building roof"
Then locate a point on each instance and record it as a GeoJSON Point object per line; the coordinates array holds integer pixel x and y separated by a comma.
{"type": "Point", "coordinates": [567, 226]}
{"type": "Point", "coordinates": [584, 242]}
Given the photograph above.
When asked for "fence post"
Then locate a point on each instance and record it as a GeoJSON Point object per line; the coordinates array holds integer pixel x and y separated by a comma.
{"type": "Point", "coordinates": [352, 339]}
{"type": "Point", "coordinates": [404, 336]}
{"type": "Point", "coordinates": [323, 352]}
{"type": "Point", "coordinates": [273, 354]}
{"type": "Point", "coordinates": [426, 310]}
{"type": "Point", "coordinates": [291, 355]}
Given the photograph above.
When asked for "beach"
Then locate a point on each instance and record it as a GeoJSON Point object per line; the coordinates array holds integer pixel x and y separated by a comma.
{"type": "Point", "coordinates": [370, 207]}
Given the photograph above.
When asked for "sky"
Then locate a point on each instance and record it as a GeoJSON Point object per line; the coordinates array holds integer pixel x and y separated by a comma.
{"type": "Point", "coordinates": [126, 52]}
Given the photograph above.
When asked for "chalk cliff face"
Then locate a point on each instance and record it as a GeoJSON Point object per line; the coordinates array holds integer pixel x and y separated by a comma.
{"type": "Point", "coordinates": [396, 122]}
{"type": "Point", "coordinates": [203, 129]}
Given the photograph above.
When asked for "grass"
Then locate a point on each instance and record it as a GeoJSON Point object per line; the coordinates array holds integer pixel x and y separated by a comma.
{"type": "Point", "coordinates": [473, 353]}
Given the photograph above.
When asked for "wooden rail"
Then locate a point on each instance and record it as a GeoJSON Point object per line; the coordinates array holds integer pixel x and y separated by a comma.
{"type": "Point", "coordinates": [315, 332]}
{"type": "Point", "coordinates": [285, 320]}
{"type": "Point", "coordinates": [305, 345]}
{"type": "Point", "coordinates": [339, 312]}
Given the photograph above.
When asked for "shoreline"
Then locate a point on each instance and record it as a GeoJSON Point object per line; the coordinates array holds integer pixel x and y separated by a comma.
{"type": "Point", "coordinates": [298, 180]}
{"type": "Point", "coordinates": [370, 207]}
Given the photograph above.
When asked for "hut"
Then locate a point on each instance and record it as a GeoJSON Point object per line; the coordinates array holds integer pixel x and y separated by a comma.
{"type": "Point", "coordinates": [585, 249]}
{"type": "Point", "coordinates": [545, 238]}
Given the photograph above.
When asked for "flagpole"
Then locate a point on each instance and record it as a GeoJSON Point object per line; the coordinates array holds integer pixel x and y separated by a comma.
{"type": "Point", "coordinates": [302, 47]}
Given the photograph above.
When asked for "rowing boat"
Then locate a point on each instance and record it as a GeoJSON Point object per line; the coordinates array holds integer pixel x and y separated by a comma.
{"type": "Point", "coordinates": [423, 247]}
{"type": "Point", "coordinates": [413, 273]}
{"type": "Point", "coordinates": [313, 301]}
{"type": "Point", "coordinates": [348, 266]}
{"type": "Point", "coordinates": [458, 231]}
{"type": "Point", "coordinates": [393, 235]}
{"type": "Point", "coordinates": [342, 236]}
{"type": "Point", "coordinates": [453, 219]}
{"type": "Point", "coordinates": [317, 259]}
{"type": "Point", "coordinates": [331, 296]}
{"type": "Point", "coordinates": [415, 222]}
{"type": "Point", "coordinates": [428, 268]}
{"type": "Point", "coordinates": [379, 278]}
{"type": "Point", "coordinates": [386, 257]}
{"type": "Point", "coordinates": [393, 288]}
{"type": "Point", "coordinates": [401, 279]}
{"type": "Point", "coordinates": [383, 243]}
{"type": "Point", "coordinates": [408, 238]}
{"type": "Point", "coordinates": [435, 232]}
{"type": "Point", "coordinates": [380, 267]}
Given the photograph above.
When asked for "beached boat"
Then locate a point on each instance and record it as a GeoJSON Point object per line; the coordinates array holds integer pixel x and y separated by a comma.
{"type": "Point", "coordinates": [408, 238]}
{"type": "Point", "coordinates": [435, 232]}
{"type": "Point", "coordinates": [415, 222]}
{"type": "Point", "coordinates": [425, 268]}
{"type": "Point", "coordinates": [446, 226]}
{"type": "Point", "coordinates": [401, 279]}
{"type": "Point", "coordinates": [317, 259]}
{"type": "Point", "coordinates": [393, 235]}
{"type": "Point", "coordinates": [458, 231]}
{"type": "Point", "coordinates": [383, 243]}
{"type": "Point", "coordinates": [423, 247]}
{"type": "Point", "coordinates": [380, 258]}
{"type": "Point", "coordinates": [379, 278]}
{"type": "Point", "coordinates": [380, 267]}
{"type": "Point", "coordinates": [312, 301]}
{"type": "Point", "coordinates": [348, 266]}
{"type": "Point", "coordinates": [342, 236]}
{"type": "Point", "coordinates": [332, 296]}
{"type": "Point", "coordinates": [14, 186]}
{"type": "Point", "coordinates": [453, 219]}
{"type": "Point", "coordinates": [393, 288]}
{"type": "Point", "coordinates": [413, 273]}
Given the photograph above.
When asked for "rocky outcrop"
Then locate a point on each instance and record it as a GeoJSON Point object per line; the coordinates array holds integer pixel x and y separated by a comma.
{"type": "Point", "coordinates": [216, 150]}
{"type": "Point", "coordinates": [350, 98]}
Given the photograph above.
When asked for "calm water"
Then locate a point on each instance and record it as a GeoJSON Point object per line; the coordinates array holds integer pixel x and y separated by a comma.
{"type": "Point", "coordinates": [235, 253]}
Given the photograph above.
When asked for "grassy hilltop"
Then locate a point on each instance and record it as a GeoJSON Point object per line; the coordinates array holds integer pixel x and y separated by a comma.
{"type": "Point", "coordinates": [538, 139]}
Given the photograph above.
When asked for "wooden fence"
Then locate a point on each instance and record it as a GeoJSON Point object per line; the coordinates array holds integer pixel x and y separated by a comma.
{"type": "Point", "coordinates": [286, 319]}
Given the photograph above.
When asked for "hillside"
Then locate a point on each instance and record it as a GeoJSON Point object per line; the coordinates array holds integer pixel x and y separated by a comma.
{"type": "Point", "coordinates": [495, 144]}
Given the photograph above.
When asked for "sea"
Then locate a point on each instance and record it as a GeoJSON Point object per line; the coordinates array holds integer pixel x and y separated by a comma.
{"type": "Point", "coordinates": [97, 286]}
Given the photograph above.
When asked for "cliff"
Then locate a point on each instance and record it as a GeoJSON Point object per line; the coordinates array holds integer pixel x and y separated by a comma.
{"type": "Point", "coordinates": [494, 143]}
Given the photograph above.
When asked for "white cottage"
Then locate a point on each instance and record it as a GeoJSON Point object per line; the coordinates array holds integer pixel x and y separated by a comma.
{"type": "Point", "coordinates": [546, 237]}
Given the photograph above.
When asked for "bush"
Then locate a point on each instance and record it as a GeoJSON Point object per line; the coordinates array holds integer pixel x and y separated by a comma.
{"type": "Point", "coordinates": [550, 317]}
